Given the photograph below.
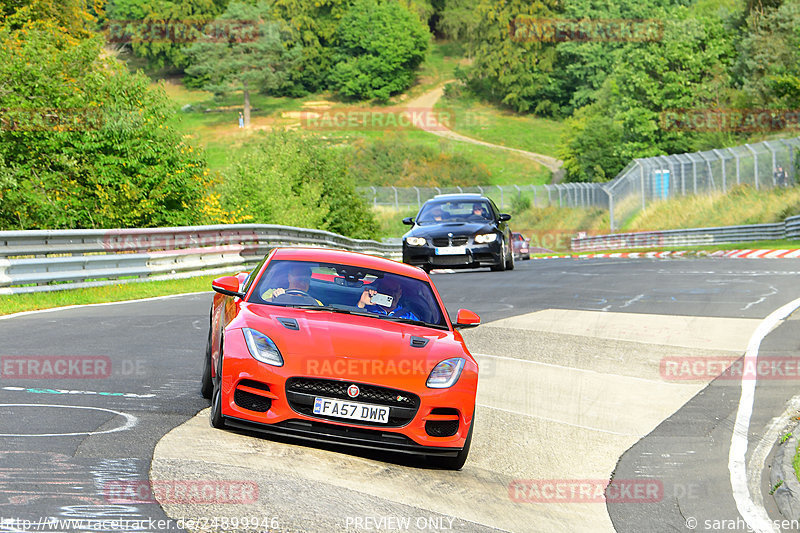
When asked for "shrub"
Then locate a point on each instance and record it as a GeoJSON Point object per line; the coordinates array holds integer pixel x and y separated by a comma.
{"type": "Point", "coordinates": [380, 45]}
{"type": "Point", "coordinates": [286, 178]}
{"type": "Point", "coordinates": [84, 143]}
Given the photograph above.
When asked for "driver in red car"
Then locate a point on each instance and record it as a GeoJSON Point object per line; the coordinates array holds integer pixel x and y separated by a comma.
{"type": "Point", "coordinates": [299, 279]}
{"type": "Point", "coordinates": [382, 297]}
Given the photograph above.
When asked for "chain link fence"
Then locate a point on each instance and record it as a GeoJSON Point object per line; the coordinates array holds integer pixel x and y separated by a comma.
{"type": "Point", "coordinates": [762, 165]}
{"type": "Point", "coordinates": [561, 195]}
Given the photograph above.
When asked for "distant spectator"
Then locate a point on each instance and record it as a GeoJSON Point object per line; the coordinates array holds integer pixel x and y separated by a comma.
{"type": "Point", "coordinates": [241, 120]}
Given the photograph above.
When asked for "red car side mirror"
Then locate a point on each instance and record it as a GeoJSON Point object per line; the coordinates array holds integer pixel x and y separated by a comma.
{"type": "Point", "coordinates": [227, 285]}
{"type": "Point", "coordinates": [466, 319]}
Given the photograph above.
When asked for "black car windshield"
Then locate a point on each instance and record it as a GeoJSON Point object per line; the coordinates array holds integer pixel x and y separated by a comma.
{"type": "Point", "coordinates": [347, 289]}
{"type": "Point", "coordinates": [455, 211]}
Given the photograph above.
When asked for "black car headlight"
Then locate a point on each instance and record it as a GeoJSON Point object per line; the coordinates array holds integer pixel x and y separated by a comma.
{"type": "Point", "coordinates": [416, 241]}
{"type": "Point", "coordinates": [485, 238]}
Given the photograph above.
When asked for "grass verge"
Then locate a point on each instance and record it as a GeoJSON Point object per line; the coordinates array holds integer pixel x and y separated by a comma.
{"type": "Point", "coordinates": [489, 123]}
{"type": "Point", "coordinates": [108, 293]}
{"type": "Point", "coordinates": [796, 462]}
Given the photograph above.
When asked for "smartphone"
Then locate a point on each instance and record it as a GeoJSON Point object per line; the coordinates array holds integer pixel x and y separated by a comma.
{"type": "Point", "coordinates": [382, 299]}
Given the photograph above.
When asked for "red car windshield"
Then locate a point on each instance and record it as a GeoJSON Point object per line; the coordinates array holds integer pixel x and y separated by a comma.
{"type": "Point", "coordinates": [350, 289]}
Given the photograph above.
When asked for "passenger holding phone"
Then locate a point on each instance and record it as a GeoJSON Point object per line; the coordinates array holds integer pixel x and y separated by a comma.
{"type": "Point", "coordinates": [382, 297]}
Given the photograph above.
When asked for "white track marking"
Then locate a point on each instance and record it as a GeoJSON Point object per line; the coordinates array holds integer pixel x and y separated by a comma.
{"type": "Point", "coordinates": [570, 368]}
{"type": "Point", "coordinates": [755, 515]}
{"type": "Point", "coordinates": [548, 419]}
{"type": "Point", "coordinates": [130, 420]}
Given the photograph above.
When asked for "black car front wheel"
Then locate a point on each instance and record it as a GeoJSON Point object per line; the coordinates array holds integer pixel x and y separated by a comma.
{"type": "Point", "coordinates": [510, 261]}
{"type": "Point", "coordinates": [502, 264]}
{"type": "Point", "coordinates": [457, 462]}
{"type": "Point", "coordinates": [215, 417]}
{"type": "Point", "coordinates": [206, 385]}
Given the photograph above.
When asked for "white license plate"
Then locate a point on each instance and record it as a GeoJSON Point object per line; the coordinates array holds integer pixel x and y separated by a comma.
{"type": "Point", "coordinates": [451, 250]}
{"type": "Point", "coordinates": [351, 410]}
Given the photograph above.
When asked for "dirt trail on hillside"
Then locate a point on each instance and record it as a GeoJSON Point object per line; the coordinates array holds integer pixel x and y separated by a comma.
{"type": "Point", "coordinates": [429, 99]}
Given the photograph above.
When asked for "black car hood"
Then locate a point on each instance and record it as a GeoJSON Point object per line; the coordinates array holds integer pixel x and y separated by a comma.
{"type": "Point", "coordinates": [456, 228]}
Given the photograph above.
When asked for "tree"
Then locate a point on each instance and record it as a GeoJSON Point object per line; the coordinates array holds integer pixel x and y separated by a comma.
{"type": "Point", "coordinates": [75, 17]}
{"type": "Point", "coordinates": [508, 67]}
{"type": "Point", "coordinates": [84, 143]}
{"type": "Point", "coordinates": [380, 44]}
{"type": "Point", "coordinates": [245, 52]}
{"type": "Point", "coordinates": [769, 60]}
{"type": "Point", "coordinates": [160, 30]}
{"type": "Point", "coordinates": [687, 69]}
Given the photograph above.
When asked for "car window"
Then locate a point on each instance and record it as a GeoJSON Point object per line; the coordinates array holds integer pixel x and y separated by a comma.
{"type": "Point", "coordinates": [345, 288]}
{"type": "Point", "coordinates": [455, 211]}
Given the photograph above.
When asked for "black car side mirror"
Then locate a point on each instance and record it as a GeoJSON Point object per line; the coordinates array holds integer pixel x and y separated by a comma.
{"type": "Point", "coordinates": [409, 221]}
{"type": "Point", "coordinates": [504, 217]}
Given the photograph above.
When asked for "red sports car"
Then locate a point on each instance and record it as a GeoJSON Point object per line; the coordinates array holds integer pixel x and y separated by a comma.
{"type": "Point", "coordinates": [335, 346]}
{"type": "Point", "coordinates": [521, 246]}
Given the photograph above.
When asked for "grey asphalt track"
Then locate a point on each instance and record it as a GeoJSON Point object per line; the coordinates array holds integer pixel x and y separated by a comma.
{"type": "Point", "coordinates": [154, 351]}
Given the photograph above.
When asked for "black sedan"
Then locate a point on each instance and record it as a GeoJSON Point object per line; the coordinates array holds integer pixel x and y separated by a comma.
{"type": "Point", "coordinates": [459, 231]}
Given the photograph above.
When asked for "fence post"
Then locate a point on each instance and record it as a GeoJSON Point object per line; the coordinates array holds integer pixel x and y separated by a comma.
{"type": "Point", "coordinates": [722, 159]}
{"type": "Point", "coordinates": [736, 155]}
{"type": "Point", "coordinates": [502, 206]}
{"type": "Point", "coordinates": [774, 163]}
{"type": "Point", "coordinates": [610, 209]}
{"type": "Point", "coordinates": [419, 201]}
{"type": "Point", "coordinates": [641, 176]}
{"type": "Point", "coordinates": [694, 174]}
{"type": "Point", "coordinates": [755, 164]}
{"type": "Point", "coordinates": [374, 196]}
{"type": "Point", "coordinates": [396, 202]}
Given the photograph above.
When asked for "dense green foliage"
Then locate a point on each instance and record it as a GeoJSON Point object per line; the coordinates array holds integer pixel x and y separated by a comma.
{"type": "Point", "coordinates": [289, 179]}
{"type": "Point", "coordinates": [247, 53]}
{"type": "Point", "coordinates": [697, 55]}
{"type": "Point", "coordinates": [160, 30]}
{"type": "Point", "coordinates": [379, 46]}
{"type": "Point", "coordinates": [84, 143]}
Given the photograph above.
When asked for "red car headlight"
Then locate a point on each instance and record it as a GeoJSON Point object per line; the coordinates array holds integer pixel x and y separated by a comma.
{"type": "Point", "coordinates": [445, 374]}
{"type": "Point", "coordinates": [262, 348]}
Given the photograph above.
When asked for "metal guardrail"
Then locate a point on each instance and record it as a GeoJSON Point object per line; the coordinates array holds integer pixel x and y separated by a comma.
{"type": "Point", "coordinates": [789, 229]}
{"type": "Point", "coordinates": [45, 260]}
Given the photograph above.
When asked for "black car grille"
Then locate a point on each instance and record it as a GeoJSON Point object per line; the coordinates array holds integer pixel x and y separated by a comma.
{"type": "Point", "coordinates": [446, 260]}
{"type": "Point", "coordinates": [251, 401]}
{"type": "Point", "coordinates": [300, 392]}
{"type": "Point", "coordinates": [441, 428]}
{"type": "Point", "coordinates": [455, 241]}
